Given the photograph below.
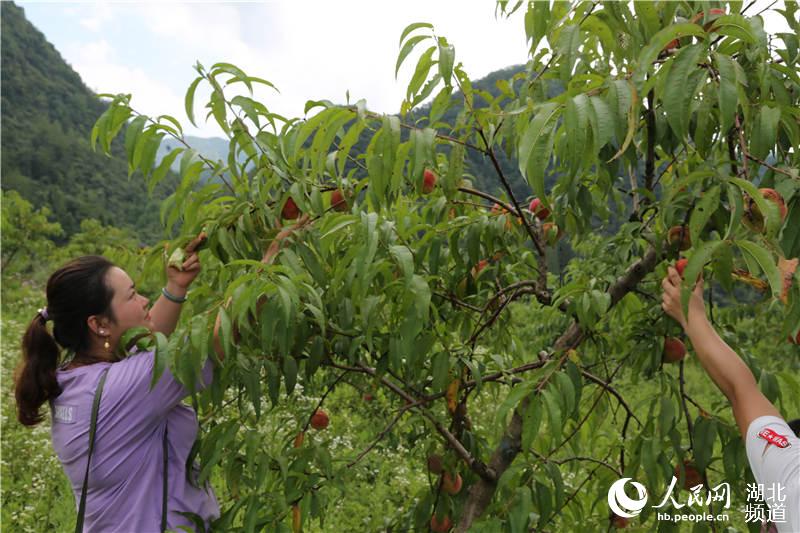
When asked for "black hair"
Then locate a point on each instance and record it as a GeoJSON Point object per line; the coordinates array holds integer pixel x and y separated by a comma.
{"type": "Point", "coordinates": [75, 292]}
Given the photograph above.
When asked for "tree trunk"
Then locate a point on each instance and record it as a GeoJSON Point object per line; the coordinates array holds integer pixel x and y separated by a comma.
{"type": "Point", "coordinates": [481, 493]}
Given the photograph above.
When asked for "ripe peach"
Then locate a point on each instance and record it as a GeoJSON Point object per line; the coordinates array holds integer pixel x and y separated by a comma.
{"type": "Point", "coordinates": [435, 463]}
{"type": "Point", "coordinates": [442, 526]}
{"type": "Point", "coordinates": [538, 208]}
{"type": "Point", "coordinates": [680, 265]}
{"type": "Point", "coordinates": [619, 522]}
{"type": "Point", "coordinates": [692, 478]}
{"type": "Point", "coordinates": [674, 350]}
{"type": "Point", "coordinates": [753, 217]}
{"type": "Point", "coordinates": [679, 236]}
{"type": "Point", "coordinates": [338, 203]}
{"type": "Point", "coordinates": [290, 210]}
{"type": "Point", "coordinates": [428, 181]}
{"type": "Point", "coordinates": [552, 233]}
{"type": "Point", "coordinates": [451, 485]}
{"type": "Point", "coordinates": [319, 420]}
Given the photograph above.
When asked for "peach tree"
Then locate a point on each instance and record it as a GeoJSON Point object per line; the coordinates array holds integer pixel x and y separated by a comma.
{"type": "Point", "coordinates": [646, 130]}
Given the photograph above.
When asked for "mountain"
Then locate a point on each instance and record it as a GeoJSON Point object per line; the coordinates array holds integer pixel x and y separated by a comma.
{"type": "Point", "coordinates": [47, 117]}
{"type": "Point", "coordinates": [477, 165]}
{"type": "Point", "coordinates": [213, 148]}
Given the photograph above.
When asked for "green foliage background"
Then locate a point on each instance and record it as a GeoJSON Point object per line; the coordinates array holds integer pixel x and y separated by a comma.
{"type": "Point", "coordinates": [395, 249]}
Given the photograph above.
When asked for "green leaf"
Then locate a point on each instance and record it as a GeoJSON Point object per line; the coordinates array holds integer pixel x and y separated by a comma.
{"type": "Point", "coordinates": [733, 25]}
{"type": "Point", "coordinates": [576, 122]}
{"type": "Point", "coordinates": [736, 207]}
{"type": "Point", "coordinates": [289, 373]}
{"type": "Point", "coordinates": [514, 397]}
{"type": "Point", "coordinates": [225, 331]}
{"type": "Point", "coordinates": [569, 40]}
{"type": "Point", "coordinates": [633, 117]}
{"type": "Point", "coordinates": [702, 255]}
{"type": "Point", "coordinates": [536, 19]}
{"type": "Point", "coordinates": [619, 104]}
{"type": "Point", "coordinates": [764, 131]}
{"type": "Point", "coordinates": [647, 13]}
{"type": "Point", "coordinates": [160, 357]}
{"type": "Point", "coordinates": [531, 420]}
{"type": "Point", "coordinates": [262, 81]}
{"type": "Point", "coordinates": [659, 41]}
{"type": "Point", "coordinates": [131, 136]}
{"type": "Point", "coordinates": [666, 416]}
{"type": "Point", "coordinates": [407, 50]}
{"type": "Point", "coordinates": [414, 26]}
{"type": "Point", "coordinates": [767, 264]}
{"type": "Point", "coordinates": [537, 132]}
{"type": "Point", "coordinates": [447, 55]}
{"type": "Point", "coordinates": [234, 71]}
{"type": "Point", "coordinates": [604, 130]}
{"type": "Point", "coordinates": [722, 264]}
{"type": "Point", "coordinates": [422, 297]}
{"type": "Point", "coordinates": [421, 73]}
{"type": "Point", "coordinates": [790, 238]}
{"type": "Point", "coordinates": [677, 95]}
{"type": "Point", "coordinates": [519, 514]}
{"type": "Point", "coordinates": [162, 169]}
{"type": "Point", "coordinates": [703, 211]}
{"type": "Point", "coordinates": [189, 101]}
{"type": "Point", "coordinates": [728, 94]}
{"type": "Point", "coordinates": [767, 208]}
{"type": "Point", "coordinates": [567, 392]}
{"type": "Point", "coordinates": [553, 414]}
{"type": "Point", "coordinates": [705, 433]}
{"type": "Point", "coordinates": [404, 258]}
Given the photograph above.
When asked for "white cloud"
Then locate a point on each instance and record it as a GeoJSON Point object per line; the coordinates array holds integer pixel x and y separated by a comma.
{"type": "Point", "coordinates": [101, 71]}
{"type": "Point", "coordinates": [99, 14]}
{"type": "Point", "coordinates": [309, 49]}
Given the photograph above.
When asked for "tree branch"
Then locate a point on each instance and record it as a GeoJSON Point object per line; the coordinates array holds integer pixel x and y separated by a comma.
{"type": "Point", "coordinates": [481, 492]}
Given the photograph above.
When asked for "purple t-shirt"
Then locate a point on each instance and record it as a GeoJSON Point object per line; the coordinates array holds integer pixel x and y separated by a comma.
{"type": "Point", "coordinates": [126, 476]}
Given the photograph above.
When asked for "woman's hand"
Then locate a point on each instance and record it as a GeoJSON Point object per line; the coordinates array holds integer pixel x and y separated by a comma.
{"type": "Point", "coordinates": [671, 299]}
{"type": "Point", "coordinates": [190, 267]}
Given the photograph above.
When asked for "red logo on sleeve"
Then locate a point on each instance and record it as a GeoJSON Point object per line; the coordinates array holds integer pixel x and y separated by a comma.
{"type": "Point", "coordinates": [774, 438]}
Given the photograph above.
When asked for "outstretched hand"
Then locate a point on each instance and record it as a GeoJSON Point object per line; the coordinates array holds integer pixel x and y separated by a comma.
{"type": "Point", "coordinates": [190, 268]}
{"type": "Point", "coordinates": [671, 298]}
{"type": "Point", "coordinates": [275, 245]}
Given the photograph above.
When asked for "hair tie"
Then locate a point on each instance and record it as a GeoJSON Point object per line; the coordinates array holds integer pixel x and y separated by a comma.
{"type": "Point", "coordinates": [43, 312]}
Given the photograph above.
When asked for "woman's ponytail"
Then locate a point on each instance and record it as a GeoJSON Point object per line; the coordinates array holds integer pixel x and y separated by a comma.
{"type": "Point", "coordinates": [35, 378]}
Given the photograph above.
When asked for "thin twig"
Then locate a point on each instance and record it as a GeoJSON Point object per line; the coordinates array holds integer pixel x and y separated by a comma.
{"type": "Point", "coordinates": [773, 168]}
{"type": "Point", "coordinates": [380, 436]}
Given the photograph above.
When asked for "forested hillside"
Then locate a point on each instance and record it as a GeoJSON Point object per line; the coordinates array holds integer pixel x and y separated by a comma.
{"type": "Point", "coordinates": [47, 116]}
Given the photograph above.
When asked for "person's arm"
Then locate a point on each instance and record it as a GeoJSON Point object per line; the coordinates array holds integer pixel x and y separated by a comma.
{"type": "Point", "coordinates": [268, 258]}
{"type": "Point", "coordinates": [165, 313]}
{"type": "Point", "coordinates": [722, 364]}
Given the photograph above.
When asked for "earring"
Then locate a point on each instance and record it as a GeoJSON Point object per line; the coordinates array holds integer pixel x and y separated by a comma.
{"type": "Point", "coordinates": [106, 345]}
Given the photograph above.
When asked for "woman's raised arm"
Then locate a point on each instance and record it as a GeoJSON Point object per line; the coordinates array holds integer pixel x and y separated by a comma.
{"type": "Point", "coordinates": [269, 256]}
{"type": "Point", "coordinates": [722, 364]}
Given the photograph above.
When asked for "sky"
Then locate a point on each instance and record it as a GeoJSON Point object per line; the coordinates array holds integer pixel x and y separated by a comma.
{"type": "Point", "coordinates": [308, 49]}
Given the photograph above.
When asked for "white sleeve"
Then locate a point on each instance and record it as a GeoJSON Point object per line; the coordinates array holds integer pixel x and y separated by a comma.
{"type": "Point", "coordinates": [773, 451]}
